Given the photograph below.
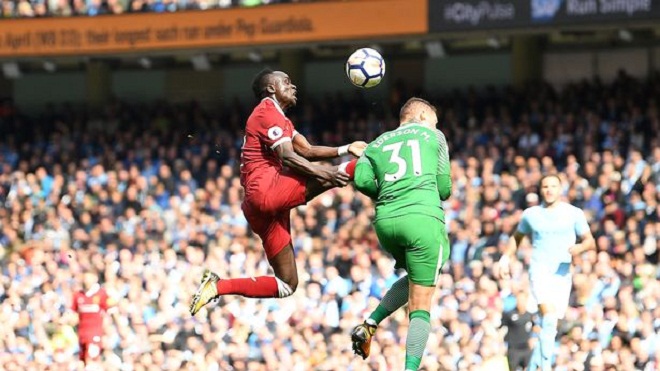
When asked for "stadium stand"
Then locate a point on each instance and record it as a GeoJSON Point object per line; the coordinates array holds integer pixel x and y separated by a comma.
{"type": "Point", "coordinates": [66, 8]}
{"type": "Point", "coordinates": [147, 195]}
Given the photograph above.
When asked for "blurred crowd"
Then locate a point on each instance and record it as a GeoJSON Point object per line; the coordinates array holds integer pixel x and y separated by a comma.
{"type": "Point", "coordinates": [147, 196]}
{"type": "Point", "coordinates": [66, 8]}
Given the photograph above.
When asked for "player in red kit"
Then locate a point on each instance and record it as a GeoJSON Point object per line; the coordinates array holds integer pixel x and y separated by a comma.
{"type": "Point", "coordinates": [90, 304]}
{"type": "Point", "coordinates": [277, 176]}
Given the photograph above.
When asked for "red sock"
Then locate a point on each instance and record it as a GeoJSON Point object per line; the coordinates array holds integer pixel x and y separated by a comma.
{"type": "Point", "coordinates": [254, 287]}
{"type": "Point", "coordinates": [349, 167]}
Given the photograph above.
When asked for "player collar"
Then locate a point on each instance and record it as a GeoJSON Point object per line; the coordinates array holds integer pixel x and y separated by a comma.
{"type": "Point", "coordinates": [412, 123]}
{"type": "Point", "coordinates": [277, 105]}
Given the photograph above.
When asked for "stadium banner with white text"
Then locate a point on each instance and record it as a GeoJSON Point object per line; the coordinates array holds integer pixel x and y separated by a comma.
{"type": "Point", "coordinates": [463, 15]}
{"type": "Point", "coordinates": [268, 25]}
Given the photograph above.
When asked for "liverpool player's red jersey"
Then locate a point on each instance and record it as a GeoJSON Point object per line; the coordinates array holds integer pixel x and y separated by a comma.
{"type": "Point", "coordinates": [90, 307]}
{"type": "Point", "coordinates": [266, 128]}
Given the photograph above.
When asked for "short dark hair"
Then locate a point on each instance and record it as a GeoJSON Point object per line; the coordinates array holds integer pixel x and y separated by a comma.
{"type": "Point", "coordinates": [546, 176]}
{"type": "Point", "coordinates": [405, 110]}
{"type": "Point", "coordinates": [260, 82]}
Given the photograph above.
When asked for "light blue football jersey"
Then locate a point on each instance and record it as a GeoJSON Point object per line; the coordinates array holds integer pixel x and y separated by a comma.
{"type": "Point", "coordinates": [552, 231]}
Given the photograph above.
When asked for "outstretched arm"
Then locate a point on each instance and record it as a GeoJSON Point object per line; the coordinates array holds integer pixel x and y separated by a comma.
{"type": "Point", "coordinates": [316, 153]}
{"type": "Point", "coordinates": [324, 174]}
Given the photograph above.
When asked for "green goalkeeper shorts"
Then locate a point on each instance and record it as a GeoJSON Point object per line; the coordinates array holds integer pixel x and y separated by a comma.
{"type": "Point", "coordinates": [418, 243]}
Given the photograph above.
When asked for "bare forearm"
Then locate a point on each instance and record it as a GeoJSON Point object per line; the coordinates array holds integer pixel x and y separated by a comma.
{"type": "Point", "coordinates": [587, 244]}
{"type": "Point", "coordinates": [301, 165]}
{"type": "Point", "coordinates": [512, 245]}
{"type": "Point", "coordinates": [317, 153]}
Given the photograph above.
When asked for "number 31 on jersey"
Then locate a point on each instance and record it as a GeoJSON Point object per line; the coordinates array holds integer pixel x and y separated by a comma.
{"type": "Point", "coordinates": [401, 163]}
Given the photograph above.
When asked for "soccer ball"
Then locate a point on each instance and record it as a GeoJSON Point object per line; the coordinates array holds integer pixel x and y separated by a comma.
{"type": "Point", "coordinates": [365, 68]}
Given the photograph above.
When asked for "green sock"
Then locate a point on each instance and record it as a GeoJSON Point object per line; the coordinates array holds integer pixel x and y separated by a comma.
{"type": "Point", "coordinates": [378, 315]}
{"type": "Point", "coordinates": [394, 299]}
{"type": "Point", "coordinates": [418, 335]}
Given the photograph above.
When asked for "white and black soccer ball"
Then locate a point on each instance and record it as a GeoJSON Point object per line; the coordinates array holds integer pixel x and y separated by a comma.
{"type": "Point", "coordinates": [365, 68]}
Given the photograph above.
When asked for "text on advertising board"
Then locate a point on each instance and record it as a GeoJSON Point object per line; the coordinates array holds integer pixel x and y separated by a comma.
{"type": "Point", "coordinates": [278, 24]}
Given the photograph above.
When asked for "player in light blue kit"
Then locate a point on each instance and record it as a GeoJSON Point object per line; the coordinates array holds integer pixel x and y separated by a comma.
{"type": "Point", "coordinates": [552, 227]}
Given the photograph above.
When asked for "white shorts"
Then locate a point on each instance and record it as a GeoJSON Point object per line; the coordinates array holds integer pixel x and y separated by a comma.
{"type": "Point", "coordinates": [550, 287]}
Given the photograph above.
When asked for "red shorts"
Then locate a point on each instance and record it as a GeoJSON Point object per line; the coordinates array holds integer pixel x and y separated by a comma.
{"type": "Point", "coordinates": [268, 211]}
{"type": "Point", "coordinates": [90, 348]}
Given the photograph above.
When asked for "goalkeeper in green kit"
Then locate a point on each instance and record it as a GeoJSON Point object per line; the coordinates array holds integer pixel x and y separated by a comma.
{"type": "Point", "coordinates": [406, 172]}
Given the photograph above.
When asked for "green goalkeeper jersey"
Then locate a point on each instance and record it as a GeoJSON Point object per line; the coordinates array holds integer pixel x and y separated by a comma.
{"type": "Point", "coordinates": [406, 170]}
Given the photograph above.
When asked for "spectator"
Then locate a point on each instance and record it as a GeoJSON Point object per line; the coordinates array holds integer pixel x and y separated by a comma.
{"type": "Point", "coordinates": [43, 8]}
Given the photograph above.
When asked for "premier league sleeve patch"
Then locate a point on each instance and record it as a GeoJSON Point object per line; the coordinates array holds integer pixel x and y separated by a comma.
{"type": "Point", "coordinates": [275, 133]}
